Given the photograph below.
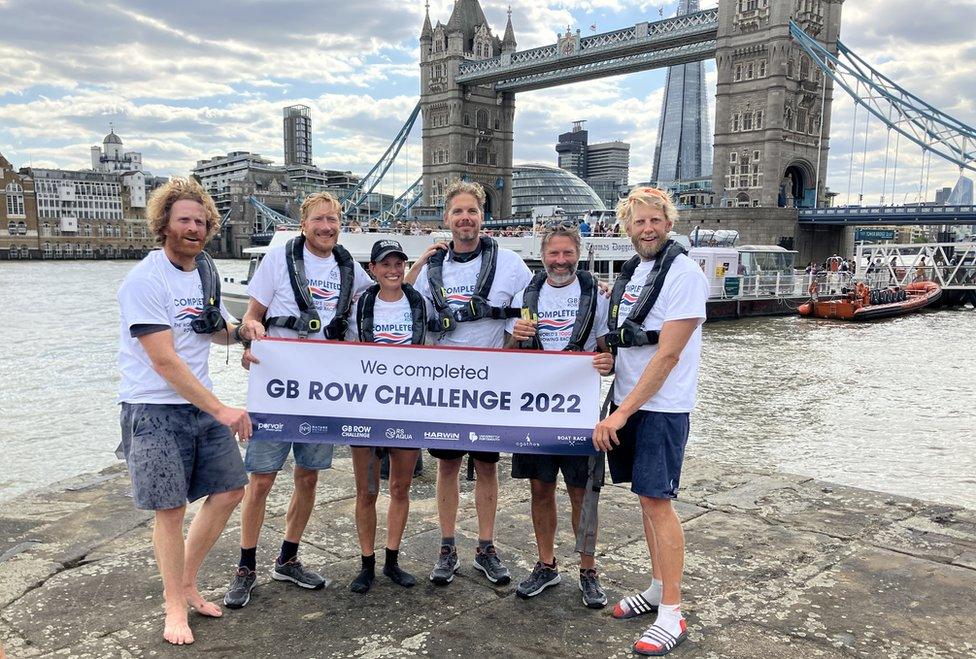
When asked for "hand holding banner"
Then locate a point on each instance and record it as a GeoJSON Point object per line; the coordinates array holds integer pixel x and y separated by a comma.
{"type": "Point", "coordinates": [423, 397]}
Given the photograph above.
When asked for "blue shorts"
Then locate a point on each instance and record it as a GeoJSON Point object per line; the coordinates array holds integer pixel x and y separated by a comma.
{"type": "Point", "coordinates": [651, 450]}
{"type": "Point", "coordinates": [267, 456]}
{"type": "Point", "coordinates": [177, 453]}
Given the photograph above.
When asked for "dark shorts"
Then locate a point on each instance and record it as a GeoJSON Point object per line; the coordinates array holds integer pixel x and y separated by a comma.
{"type": "Point", "coordinates": [545, 468]}
{"type": "Point", "coordinates": [448, 454]}
{"type": "Point", "coordinates": [651, 450]}
{"type": "Point", "coordinates": [177, 453]}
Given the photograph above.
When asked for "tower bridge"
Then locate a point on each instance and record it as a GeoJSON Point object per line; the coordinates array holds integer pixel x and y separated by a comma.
{"type": "Point", "coordinates": [772, 106]}
{"type": "Point", "coordinates": [777, 64]}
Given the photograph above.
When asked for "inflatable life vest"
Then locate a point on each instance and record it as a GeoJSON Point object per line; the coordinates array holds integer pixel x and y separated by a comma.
{"type": "Point", "coordinates": [210, 320]}
{"type": "Point", "coordinates": [418, 314]}
{"type": "Point", "coordinates": [308, 320]}
{"type": "Point", "coordinates": [585, 314]}
{"type": "Point", "coordinates": [478, 306]}
{"type": "Point", "coordinates": [630, 333]}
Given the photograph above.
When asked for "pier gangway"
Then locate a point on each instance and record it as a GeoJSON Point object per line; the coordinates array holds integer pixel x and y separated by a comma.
{"type": "Point", "coordinates": [950, 265]}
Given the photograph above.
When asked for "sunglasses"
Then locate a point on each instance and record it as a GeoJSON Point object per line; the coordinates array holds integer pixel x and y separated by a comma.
{"type": "Point", "coordinates": [568, 225]}
{"type": "Point", "coordinates": [654, 192]}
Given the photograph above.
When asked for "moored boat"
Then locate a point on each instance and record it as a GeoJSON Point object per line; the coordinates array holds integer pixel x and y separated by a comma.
{"type": "Point", "coordinates": [863, 303]}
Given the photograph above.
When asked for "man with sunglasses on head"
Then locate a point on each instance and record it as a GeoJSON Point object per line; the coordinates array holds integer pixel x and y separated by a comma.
{"type": "Point", "coordinates": [471, 283]}
{"type": "Point", "coordinates": [562, 309]}
{"type": "Point", "coordinates": [656, 311]}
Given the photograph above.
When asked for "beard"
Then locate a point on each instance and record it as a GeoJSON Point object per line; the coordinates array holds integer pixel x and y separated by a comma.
{"type": "Point", "coordinates": [646, 251]}
{"type": "Point", "coordinates": [561, 278]}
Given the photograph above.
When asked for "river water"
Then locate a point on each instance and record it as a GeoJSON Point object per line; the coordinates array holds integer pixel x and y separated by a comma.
{"type": "Point", "coordinates": [888, 406]}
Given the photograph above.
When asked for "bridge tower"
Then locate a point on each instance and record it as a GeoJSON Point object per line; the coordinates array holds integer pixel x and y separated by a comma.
{"type": "Point", "coordinates": [467, 130]}
{"type": "Point", "coordinates": [772, 105]}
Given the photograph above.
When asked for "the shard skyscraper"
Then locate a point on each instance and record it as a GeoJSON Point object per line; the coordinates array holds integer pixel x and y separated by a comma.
{"type": "Point", "coordinates": [684, 137]}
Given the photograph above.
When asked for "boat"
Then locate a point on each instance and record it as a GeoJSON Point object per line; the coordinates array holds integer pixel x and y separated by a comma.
{"type": "Point", "coordinates": [863, 303]}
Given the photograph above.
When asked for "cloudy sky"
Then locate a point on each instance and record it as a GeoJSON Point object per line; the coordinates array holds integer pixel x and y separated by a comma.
{"type": "Point", "coordinates": [182, 81]}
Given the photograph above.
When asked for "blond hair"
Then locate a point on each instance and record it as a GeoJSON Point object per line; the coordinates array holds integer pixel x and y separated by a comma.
{"type": "Point", "coordinates": [459, 187]}
{"type": "Point", "coordinates": [313, 200]}
{"type": "Point", "coordinates": [177, 189]}
{"type": "Point", "coordinates": [646, 196]}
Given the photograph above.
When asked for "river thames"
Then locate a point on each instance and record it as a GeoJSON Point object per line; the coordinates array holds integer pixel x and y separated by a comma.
{"type": "Point", "coordinates": [886, 406]}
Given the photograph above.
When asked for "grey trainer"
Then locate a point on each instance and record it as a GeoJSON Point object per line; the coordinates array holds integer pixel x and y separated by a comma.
{"type": "Point", "coordinates": [541, 578]}
{"type": "Point", "coordinates": [296, 573]}
{"type": "Point", "coordinates": [488, 562]}
{"type": "Point", "coordinates": [447, 566]}
{"type": "Point", "coordinates": [593, 595]}
{"type": "Point", "coordinates": [239, 592]}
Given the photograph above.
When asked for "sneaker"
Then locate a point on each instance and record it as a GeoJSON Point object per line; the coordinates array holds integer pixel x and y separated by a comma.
{"type": "Point", "coordinates": [541, 578]}
{"type": "Point", "coordinates": [294, 572]}
{"type": "Point", "coordinates": [447, 566]}
{"type": "Point", "coordinates": [593, 595]}
{"type": "Point", "coordinates": [488, 562]}
{"type": "Point", "coordinates": [239, 592]}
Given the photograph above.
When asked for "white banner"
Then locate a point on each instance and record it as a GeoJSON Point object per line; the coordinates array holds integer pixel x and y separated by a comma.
{"type": "Point", "coordinates": [423, 396]}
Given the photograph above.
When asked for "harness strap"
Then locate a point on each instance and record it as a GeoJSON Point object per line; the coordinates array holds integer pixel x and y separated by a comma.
{"type": "Point", "coordinates": [210, 320]}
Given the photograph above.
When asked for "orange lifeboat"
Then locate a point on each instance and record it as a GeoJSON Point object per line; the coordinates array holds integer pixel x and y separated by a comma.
{"type": "Point", "coordinates": [865, 304]}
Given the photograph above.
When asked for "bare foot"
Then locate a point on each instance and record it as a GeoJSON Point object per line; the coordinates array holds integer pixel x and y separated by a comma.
{"type": "Point", "coordinates": [177, 629]}
{"type": "Point", "coordinates": [202, 606]}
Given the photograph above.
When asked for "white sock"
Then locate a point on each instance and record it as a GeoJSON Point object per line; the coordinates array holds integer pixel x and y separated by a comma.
{"type": "Point", "coordinates": [669, 618]}
{"type": "Point", "coordinates": [653, 594]}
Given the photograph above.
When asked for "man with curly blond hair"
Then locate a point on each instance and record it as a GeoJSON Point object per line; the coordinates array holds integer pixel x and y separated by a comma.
{"type": "Point", "coordinates": [177, 437]}
{"type": "Point", "coordinates": [656, 312]}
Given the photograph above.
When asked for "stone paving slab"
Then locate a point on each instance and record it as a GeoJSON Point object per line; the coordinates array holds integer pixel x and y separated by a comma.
{"type": "Point", "coordinates": [777, 565]}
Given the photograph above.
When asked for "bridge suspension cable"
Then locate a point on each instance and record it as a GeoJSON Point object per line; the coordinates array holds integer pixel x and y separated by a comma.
{"type": "Point", "coordinates": [271, 219]}
{"type": "Point", "coordinates": [928, 127]}
{"type": "Point", "coordinates": [358, 194]}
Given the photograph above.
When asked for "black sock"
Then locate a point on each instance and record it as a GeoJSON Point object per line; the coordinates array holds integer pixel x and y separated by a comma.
{"type": "Point", "coordinates": [249, 558]}
{"type": "Point", "coordinates": [364, 580]}
{"type": "Point", "coordinates": [393, 571]}
{"type": "Point", "coordinates": [447, 541]}
{"type": "Point", "coordinates": [289, 550]}
{"type": "Point", "coordinates": [483, 545]}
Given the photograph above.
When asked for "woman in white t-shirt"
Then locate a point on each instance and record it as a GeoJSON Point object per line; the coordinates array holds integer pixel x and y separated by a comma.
{"type": "Point", "coordinates": [391, 312]}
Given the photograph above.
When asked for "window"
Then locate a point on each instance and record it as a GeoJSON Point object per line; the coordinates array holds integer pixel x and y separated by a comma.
{"type": "Point", "coordinates": [747, 121]}
{"type": "Point", "coordinates": [15, 200]}
{"type": "Point", "coordinates": [789, 119]}
{"type": "Point", "coordinates": [482, 120]}
{"type": "Point", "coordinates": [470, 157]}
{"type": "Point", "coordinates": [759, 120]}
{"type": "Point", "coordinates": [12, 228]}
{"type": "Point", "coordinates": [22, 228]}
{"type": "Point", "coordinates": [804, 68]}
{"type": "Point", "coordinates": [467, 119]}
{"type": "Point", "coordinates": [738, 73]}
{"type": "Point", "coordinates": [750, 69]}
{"type": "Point", "coordinates": [762, 68]}
{"type": "Point", "coordinates": [733, 157]}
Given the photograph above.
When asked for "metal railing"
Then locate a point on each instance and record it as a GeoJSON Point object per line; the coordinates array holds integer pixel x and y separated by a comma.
{"type": "Point", "coordinates": [950, 265]}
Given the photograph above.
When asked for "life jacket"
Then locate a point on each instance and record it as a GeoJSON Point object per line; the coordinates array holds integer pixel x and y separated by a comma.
{"type": "Point", "coordinates": [308, 320]}
{"type": "Point", "coordinates": [210, 321]}
{"type": "Point", "coordinates": [630, 333]}
{"type": "Point", "coordinates": [418, 314]}
{"type": "Point", "coordinates": [478, 306]}
{"type": "Point", "coordinates": [585, 314]}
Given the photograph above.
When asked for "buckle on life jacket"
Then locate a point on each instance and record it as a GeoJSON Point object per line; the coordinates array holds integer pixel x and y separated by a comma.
{"type": "Point", "coordinates": [632, 335]}
{"type": "Point", "coordinates": [314, 325]}
{"type": "Point", "coordinates": [209, 321]}
{"type": "Point", "coordinates": [476, 309]}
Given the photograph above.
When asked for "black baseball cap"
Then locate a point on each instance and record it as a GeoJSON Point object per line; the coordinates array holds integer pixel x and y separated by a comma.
{"type": "Point", "coordinates": [383, 248]}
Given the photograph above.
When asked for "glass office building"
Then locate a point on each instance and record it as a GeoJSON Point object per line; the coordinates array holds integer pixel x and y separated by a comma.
{"type": "Point", "coordinates": [541, 185]}
{"type": "Point", "coordinates": [684, 137]}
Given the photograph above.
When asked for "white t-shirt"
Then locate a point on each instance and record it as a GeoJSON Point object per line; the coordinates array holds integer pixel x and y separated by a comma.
{"type": "Point", "coordinates": [392, 321]}
{"type": "Point", "coordinates": [156, 292]}
{"type": "Point", "coordinates": [271, 287]}
{"type": "Point", "coordinates": [557, 315]}
{"type": "Point", "coordinates": [460, 280]}
{"type": "Point", "coordinates": [682, 296]}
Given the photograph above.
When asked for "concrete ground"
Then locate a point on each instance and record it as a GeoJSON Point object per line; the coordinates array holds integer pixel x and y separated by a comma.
{"type": "Point", "coordinates": [777, 566]}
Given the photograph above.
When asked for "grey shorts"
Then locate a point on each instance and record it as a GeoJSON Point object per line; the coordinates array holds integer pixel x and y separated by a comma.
{"type": "Point", "coordinates": [545, 468]}
{"type": "Point", "coordinates": [177, 453]}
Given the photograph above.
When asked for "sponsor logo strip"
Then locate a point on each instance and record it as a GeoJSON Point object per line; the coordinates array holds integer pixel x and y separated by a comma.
{"type": "Point", "coordinates": [411, 434]}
